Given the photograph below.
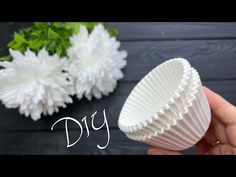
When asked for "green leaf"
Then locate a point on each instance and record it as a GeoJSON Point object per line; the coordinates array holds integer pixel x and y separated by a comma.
{"type": "Point", "coordinates": [75, 26]}
{"type": "Point", "coordinates": [6, 58]}
{"type": "Point", "coordinates": [51, 46]}
{"type": "Point", "coordinates": [52, 34]}
{"type": "Point", "coordinates": [35, 44]}
{"type": "Point", "coordinates": [59, 50]}
{"type": "Point", "coordinates": [90, 25]}
{"type": "Point", "coordinates": [36, 33]}
{"type": "Point", "coordinates": [18, 38]}
{"type": "Point", "coordinates": [18, 42]}
{"type": "Point", "coordinates": [112, 31]}
{"type": "Point", "coordinates": [57, 24]}
{"type": "Point", "coordinates": [39, 25]}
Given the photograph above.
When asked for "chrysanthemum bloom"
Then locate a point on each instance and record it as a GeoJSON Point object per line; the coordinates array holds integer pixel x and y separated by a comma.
{"type": "Point", "coordinates": [95, 62]}
{"type": "Point", "coordinates": [35, 84]}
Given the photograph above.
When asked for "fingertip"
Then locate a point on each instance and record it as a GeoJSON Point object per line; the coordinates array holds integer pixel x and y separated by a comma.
{"type": "Point", "coordinates": [152, 151]}
{"type": "Point", "coordinates": [159, 151]}
{"type": "Point", "coordinates": [223, 110]}
{"type": "Point", "coordinates": [208, 92]}
{"type": "Point", "coordinates": [205, 88]}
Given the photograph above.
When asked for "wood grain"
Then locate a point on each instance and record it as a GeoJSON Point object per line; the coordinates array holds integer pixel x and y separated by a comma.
{"type": "Point", "coordinates": [11, 120]}
{"type": "Point", "coordinates": [55, 143]}
{"type": "Point", "coordinates": [210, 48]}
{"type": "Point", "coordinates": [7, 30]}
{"type": "Point", "coordinates": [133, 31]}
{"type": "Point", "coordinates": [213, 59]}
{"type": "Point", "coordinates": [207, 56]}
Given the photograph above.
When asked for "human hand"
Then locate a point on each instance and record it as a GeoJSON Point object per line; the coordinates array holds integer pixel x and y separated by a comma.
{"type": "Point", "coordinates": [220, 138]}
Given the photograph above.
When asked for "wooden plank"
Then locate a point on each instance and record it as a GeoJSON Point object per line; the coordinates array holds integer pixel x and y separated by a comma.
{"type": "Point", "coordinates": [207, 56]}
{"type": "Point", "coordinates": [7, 30]}
{"type": "Point", "coordinates": [10, 120]}
{"type": "Point", "coordinates": [214, 59]}
{"type": "Point", "coordinates": [54, 143]}
{"type": "Point", "coordinates": [174, 30]}
{"type": "Point", "coordinates": [129, 31]}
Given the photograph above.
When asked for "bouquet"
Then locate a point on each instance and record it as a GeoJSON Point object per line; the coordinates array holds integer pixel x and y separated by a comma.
{"type": "Point", "coordinates": [50, 62]}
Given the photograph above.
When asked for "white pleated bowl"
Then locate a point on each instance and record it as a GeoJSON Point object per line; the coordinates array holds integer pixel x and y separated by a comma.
{"type": "Point", "coordinates": [167, 108]}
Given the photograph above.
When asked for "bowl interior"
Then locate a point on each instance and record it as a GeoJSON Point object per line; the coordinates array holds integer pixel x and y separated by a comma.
{"type": "Point", "coordinates": [152, 93]}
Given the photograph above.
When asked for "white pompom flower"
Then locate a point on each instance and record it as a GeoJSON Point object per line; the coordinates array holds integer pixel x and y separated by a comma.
{"type": "Point", "coordinates": [95, 62]}
{"type": "Point", "coordinates": [35, 84]}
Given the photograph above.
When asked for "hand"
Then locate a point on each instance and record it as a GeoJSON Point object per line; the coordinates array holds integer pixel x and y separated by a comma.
{"type": "Point", "coordinates": [220, 138]}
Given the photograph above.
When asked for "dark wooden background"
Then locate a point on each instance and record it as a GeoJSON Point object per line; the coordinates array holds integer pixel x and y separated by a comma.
{"type": "Point", "coordinates": [210, 48]}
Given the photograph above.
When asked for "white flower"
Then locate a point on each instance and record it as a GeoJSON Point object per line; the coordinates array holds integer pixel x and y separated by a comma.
{"type": "Point", "coordinates": [95, 62]}
{"type": "Point", "coordinates": [35, 84]}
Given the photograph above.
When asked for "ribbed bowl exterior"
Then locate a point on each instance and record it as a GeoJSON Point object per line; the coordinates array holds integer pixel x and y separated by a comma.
{"type": "Point", "coordinates": [180, 121]}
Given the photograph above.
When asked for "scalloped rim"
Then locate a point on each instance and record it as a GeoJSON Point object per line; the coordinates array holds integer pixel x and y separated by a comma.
{"type": "Point", "coordinates": [183, 83]}
{"type": "Point", "coordinates": [157, 119]}
{"type": "Point", "coordinates": [189, 104]}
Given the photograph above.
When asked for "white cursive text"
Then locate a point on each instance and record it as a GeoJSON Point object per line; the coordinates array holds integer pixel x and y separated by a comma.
{"type": "Point", "coordinates": [84, 120]}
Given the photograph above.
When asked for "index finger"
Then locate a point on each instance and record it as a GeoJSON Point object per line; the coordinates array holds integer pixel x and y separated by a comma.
{"type": "Point", "coordinates": [224, 111]}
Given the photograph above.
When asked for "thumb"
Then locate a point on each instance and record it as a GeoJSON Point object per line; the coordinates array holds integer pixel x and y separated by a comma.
{"type": "Point", "coordinates": [160, 151]}
{"type": "Point", "coordinates": [224, 112]}
{"type": "Point", "coordinates": [222, 109]}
